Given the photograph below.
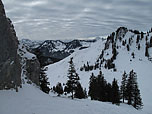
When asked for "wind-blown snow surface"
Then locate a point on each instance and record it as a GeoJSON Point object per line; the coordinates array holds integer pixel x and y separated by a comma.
{"type": "Point", "coordinates": [140, 64]}
{"type": "Point", "coordinates": [30, 100]}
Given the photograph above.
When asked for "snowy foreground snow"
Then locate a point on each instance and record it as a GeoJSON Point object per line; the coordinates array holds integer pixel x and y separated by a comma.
{"type": "Point", "coordinates": [30, 100]}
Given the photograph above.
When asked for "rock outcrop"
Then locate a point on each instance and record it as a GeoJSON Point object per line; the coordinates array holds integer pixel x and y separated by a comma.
{"type": "Point", "coordinates": [33, 70]}
{"type": "Point", "coordinates": [30, 65]}
{"type": "Point", "coordinates": [16, 63]}
{"type": "Point", "coordinates": [10, 68]}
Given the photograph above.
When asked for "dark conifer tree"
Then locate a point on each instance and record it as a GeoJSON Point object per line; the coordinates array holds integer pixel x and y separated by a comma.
{"type": "Point", "coordinates": [133, 55]}
{"type": "Point", "coordinates": [146, 51]}
{"type": "Point", "coordinates": [130, 39]}
{"type": "Point", "coordinates": [59, 89]}
{"type": "Point", "coordinates": [115, 92]}
{"type": "Point", "coordinates": [114, 51]}
{"type": "Point", "coordinates": [151, 41]}
{"type": "Point", "coordinates": [102, 54]}
{"type": "Point", "coordinates": [123, 43]}
{"type": "Point", "coordinates": [128, 48]}
{"type": "Point", "coordinates": [130, 87]}
{"type": "Point", "coordinates": [92, 87]}
{"type": "Point", "coordinates": [88, 65]}
{"type": "Point", "coordinates": [73, 78]}
{"type": "Point", "coordinates": [101, 87]}
{"type": "Point", "coordinates": [109, 64]}
{"type": "Point", "coordinates": [142, 35]}
{"type": "Point", "coordinates": [44, 81]}
{"type": "Point", "coordinates": [146, 38]}
{"type": "Point", "coordinates": [138, 38]}
{"type": "Point", "coordinates": [123, 86]}
{"type": "Point", "coordinates": [66, 90]}
{"type": "Point", "coordinates": [109, 92]}
{"type": "Point", "coordinates": [133, 93]}
{"type": "Point", "coordinates": [138, 46]}
{"type": "Point", "coordinates": [81, 69]}
{"type": "Point", "coordinates": [147, 33]}
{"type": "Point", "coordinates": [84, 66]}
{"type": "Point", "coordinates": [79, 92]}
{"type": "Point", "coordinates": [137, 103]}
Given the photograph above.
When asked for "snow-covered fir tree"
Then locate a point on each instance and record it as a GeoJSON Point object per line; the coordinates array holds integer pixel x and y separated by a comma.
{"type": "Point", "coordinates": [115, 92]}
{"type": "Point", "coordinates": [101, 86]}
{"type": "Point", "coordinates": [73, 78]}
{"type": "Point", "coordinates": [59, 89]}
{"type": "Point", "coordinates": [137, 102]}
{"type": "Point", "coordinates": [92, 87]}
{"type": "Point", "coordinates": [123, 86]}
{"type": "Point", "coordinates": [133, 92]}
{"type": "Point", "coordinates": [79, 92]}
{"type": "Point", "coordinates": [130, 87]}
{"type": "Point", "coordinates": [44, 80]}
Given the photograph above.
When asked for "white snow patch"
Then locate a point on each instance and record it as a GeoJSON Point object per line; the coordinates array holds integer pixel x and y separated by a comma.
{"type": "Point", "coordinates": [30, 100]}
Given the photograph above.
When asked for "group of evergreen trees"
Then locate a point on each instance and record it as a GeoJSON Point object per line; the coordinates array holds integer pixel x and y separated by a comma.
{"type": "Point", "coordinates": [100, 90]}
{"type": "Point", "coordinates": [130, 90]}
{"type": "Point", "coordinates": [58, 89]}
{"type": "Point", "coordinates": [87, 67]}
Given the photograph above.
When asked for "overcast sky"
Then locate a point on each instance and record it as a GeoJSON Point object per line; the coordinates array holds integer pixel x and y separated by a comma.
{"type": "Point", "coordinates": [71, 19]}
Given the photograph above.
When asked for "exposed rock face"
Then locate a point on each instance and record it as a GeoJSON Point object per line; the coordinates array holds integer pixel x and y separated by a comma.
{"type": "Point", "coordinates": [30, 65]}
{"type": "Point", "coordinates": [2, 11]}
{"type": "Point", "coordinates": [33, 70]}
{"type": "Point", "coordinates": [15, 60]}
{"type": "Point", "coordinates": [121, 32]}
{"type": "Point", "coordinates": [10, 68]}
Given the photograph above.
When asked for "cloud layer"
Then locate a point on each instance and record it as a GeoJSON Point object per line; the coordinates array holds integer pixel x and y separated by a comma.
{"type": "Point", "coordinates": [70, 19]}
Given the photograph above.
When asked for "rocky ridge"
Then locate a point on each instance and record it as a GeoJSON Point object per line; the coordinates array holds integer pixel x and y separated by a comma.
{"type": "Point", "coordinates": [10, 68]}
{"type": "Point", "coordinates": [12, 60]}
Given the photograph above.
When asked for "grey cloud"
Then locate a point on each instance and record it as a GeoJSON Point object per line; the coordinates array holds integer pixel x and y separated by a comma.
{"type": "Point", "coordinates": [69, 19]}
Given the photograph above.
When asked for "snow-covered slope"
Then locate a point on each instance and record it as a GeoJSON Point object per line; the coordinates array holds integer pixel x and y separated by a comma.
{"type": "Point", "coordinates": [30, 100]}
{"type": "Point", "coordinates": [57, 72]}
{"type": "Point", "coordinates": [124, 62]}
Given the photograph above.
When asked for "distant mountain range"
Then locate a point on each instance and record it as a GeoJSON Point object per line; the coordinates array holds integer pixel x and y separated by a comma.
{"type": "Point", "coordinates": [51, 51]}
